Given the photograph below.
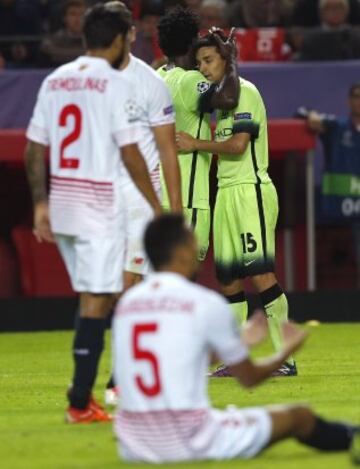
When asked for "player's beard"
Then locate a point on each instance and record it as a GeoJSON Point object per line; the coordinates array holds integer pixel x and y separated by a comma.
{"type": "Point", "coordinates": [119, 60]}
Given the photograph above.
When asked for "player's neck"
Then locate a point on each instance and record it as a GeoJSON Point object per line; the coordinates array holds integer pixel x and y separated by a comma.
{"type": "Point", "coordinates": [100, 54]}
{"type": "Point", "coordinates": [177, 268]}
{"type": "Point", "coordinates": [125, 62]}
{"type": "Point", "coordinates": [182, 61]}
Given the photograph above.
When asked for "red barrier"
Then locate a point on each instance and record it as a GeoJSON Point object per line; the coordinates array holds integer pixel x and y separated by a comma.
{"type": "Point", "coordinates": [42, 272]}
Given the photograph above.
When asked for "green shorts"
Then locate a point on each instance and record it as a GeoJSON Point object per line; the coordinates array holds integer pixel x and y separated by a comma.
{"type": "Point", "coordinates": [200, 220]}
{"type": "Point", "coordinates": [244, 231]}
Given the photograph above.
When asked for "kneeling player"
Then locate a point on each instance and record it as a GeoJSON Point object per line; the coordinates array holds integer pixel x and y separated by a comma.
{"type": "Point", "coordinates": [165, 330]}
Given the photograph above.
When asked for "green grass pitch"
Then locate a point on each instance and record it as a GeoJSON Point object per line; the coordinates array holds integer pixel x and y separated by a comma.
{"type": "Point", "coordinates": [35, 369]}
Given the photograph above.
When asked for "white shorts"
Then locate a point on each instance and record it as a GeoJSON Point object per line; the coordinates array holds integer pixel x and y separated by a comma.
{"type": "Point", "coordinates": [224, 434]}
{"type": "Point", "coordinates": [138, 214]}
{"type": "Point", "coordinates": [94, 263]}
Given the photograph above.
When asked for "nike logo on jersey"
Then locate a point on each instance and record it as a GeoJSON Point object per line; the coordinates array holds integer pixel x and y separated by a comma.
{"type": "Point", "coordinates": [248, 263]}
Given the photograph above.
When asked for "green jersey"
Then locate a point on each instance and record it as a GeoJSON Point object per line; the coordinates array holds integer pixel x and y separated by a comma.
{"type": "Point", "coordinates": [186, 87]}
{"type": "Point", "coordinates": [249, 116]}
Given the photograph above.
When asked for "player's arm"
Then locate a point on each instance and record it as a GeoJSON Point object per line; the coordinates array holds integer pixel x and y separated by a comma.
{"type": "Point", "coordinates": [235, 145]}
{"type": "Point", "coordinates": [226, 95]}
{"type": "Point", "coordinates": [165, 141]}
{"type": "Point", "coordinates": [162, 122]}
{"type": "Point", "coordinates": [251, 373]}
{"type": "Point", "coordinates": [36, 174]}
{"type": "Point", "coordinates": [138, 171]}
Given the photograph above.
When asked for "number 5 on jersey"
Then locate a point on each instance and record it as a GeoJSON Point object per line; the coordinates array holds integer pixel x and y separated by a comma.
{"type": "Point", "coordinates": [71, 112]}
{"type": "Point", "coordinates": [139, 353]}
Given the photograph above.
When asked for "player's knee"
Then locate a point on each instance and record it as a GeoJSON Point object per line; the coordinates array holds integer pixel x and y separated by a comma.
{"type": "Point", "coordinates": [302, 419]}
{"type": "Point", "coordinates": [264, 281]}
{"type": "Point", "coordinates": [231, 288]}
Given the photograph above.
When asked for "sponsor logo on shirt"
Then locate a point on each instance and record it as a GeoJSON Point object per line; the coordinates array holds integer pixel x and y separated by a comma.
{"type": "Point", "coordinates": [168, 110]}
{"type": "Point", "coordinates": [203, 86]}
{"type": "Point", "coordinates": [242, 115]}
{"type": "Point", "coordinates": [224, 115]}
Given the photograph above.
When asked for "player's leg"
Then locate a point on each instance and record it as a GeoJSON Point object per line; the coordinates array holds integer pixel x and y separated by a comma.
{"type": "Point", "coordinates": [227, 254]}
{"type": "Point", "coordinates": [97, 278]}
{"type": "Point", "coordinates": [137, 215]}
{"type": "Point", "coordinates": [227, 250]}
{"type": "Point", "coordinates": [260, 263]}
{"type": "Point", "coordinates": [301, 423]}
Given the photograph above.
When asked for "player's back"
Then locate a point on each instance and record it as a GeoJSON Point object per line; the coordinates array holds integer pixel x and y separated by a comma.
{"type": "Point", "coordinates": [84, 114]}
{"type": "Point", "coordinates": [186, 87]}
{"type": "Point", "coordinates": [160, 342]}
{"type": "Point", "coordinates": [77, 100]}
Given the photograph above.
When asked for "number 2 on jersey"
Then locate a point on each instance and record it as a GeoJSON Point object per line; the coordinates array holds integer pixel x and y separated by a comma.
{"type": "Point", "coordinates": [71, 110]}
{"type": "Point", "coordinates": [140, 353]}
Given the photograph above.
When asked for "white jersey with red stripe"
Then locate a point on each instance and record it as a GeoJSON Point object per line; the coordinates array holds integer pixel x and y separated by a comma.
{"type": "Point", "coordinates": [164, 332]}
{"type": "Point", "coordinates": [85, 112]}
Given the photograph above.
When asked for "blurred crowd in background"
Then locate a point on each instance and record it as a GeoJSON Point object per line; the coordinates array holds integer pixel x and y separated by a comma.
{"type": "Point", "coordinates": [47, 33]}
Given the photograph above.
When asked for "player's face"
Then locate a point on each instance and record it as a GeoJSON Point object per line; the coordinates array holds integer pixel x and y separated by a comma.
{"type": "Point", "coordinates": [211, 64]}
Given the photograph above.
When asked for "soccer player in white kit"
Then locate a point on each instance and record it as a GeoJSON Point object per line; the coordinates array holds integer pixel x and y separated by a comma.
{"type": "Point", "coordinates": [87, 115]}
{"type": "Point", "coordinates": [165, 331]}
{"type": "Point", "coordinates": [157, 144]}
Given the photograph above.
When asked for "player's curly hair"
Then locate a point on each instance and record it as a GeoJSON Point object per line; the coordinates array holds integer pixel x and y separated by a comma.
{"type": "Point", "coordinates": [177, 31]}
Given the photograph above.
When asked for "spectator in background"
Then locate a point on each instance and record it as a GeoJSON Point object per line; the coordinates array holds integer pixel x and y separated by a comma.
{"type": "Point", "coordinates": [145, 45]}
{"type": "Point", "coordinates": [20, 23]}
{"type": "Point", "coordinates": [66, 44]}
{"type": "Point", "coordinates": [340, 137]}
{"type": "Point", "coordinates": [334, 39]}
{"type": "Point", "coordinates": [212, 13]}
{"type": "Point", "coordinates": [194, 5]}
{"type": "Point", "coordinates": [307, 13]}
{"type": "Point", "coordinates": [259, 13]}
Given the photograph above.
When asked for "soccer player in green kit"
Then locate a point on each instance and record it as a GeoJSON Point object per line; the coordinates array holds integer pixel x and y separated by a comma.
{"type": "Point", "coordinates": [246, 207]}
{"type": "Point", "coordinates": [194, 97]}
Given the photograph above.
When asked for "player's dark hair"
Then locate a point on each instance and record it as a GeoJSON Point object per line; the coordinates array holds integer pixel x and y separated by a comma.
{"type": "Point", "coordinates": [354, 87]}
{"type": "Point", "coordinates": [102, 23]}
{"type": "Point", "coordinates": [207, 41]}
{"type": "Point", "coordinates": [177, 31]}
{"type": "Point", "coordinates": [162, 236]}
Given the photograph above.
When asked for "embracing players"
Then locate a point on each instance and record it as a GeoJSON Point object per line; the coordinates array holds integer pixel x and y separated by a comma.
{"type": "Point", "coordinates": [246, 207]}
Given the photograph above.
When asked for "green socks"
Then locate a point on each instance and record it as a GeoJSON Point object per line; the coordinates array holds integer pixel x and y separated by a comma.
{"type": "Point", "coordinates": [276, 308]}
{"type": "Point", "coordinates": [239, 306]}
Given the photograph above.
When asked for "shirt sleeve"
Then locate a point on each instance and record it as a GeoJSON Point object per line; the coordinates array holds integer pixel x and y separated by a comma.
{"type": "Point", "coordinates": [223, 334]}
{"type": "Point", "coordinates": [160, 106]}
{"type": "Point", "coordinates": [126, 114]}
{"type": "Point", "coordinates": [38, 130]}
{"type": "Point", "coordinates": [192, 87]}
{"type": "Point", "coordinates": [249, 113]}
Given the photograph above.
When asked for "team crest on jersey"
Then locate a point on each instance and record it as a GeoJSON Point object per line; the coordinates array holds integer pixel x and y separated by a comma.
{"type": "Point", "coordinates": [133, 110]}
{"type": "Point", "coordinates": [242, 115]}
{"type": "Point", "coordinates": [203, 86]}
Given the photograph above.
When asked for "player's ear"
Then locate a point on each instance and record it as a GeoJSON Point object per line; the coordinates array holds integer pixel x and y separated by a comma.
{"type": "Point", "coordinates": [132, 34]}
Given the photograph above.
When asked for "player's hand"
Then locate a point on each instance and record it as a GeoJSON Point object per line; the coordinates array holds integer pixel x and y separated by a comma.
{"type": "Point", "coordinates": [227, 48]}
{"type": "Point", "coordinates": [294, 337]}
{"type": "Point", "coordinates": [255, 330]}
{"type": "Point", "coordinates": [42, 229]}
{"type": "Point", "coordinates": [185, 142]}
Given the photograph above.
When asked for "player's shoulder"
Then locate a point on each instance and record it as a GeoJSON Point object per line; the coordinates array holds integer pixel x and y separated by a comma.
{"type": "Point", "coordinates": [249, 88]}
{"type": "Point", "coordinates": [195, 78]}
{"type": "Point", "coordinates": [204, 294]}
